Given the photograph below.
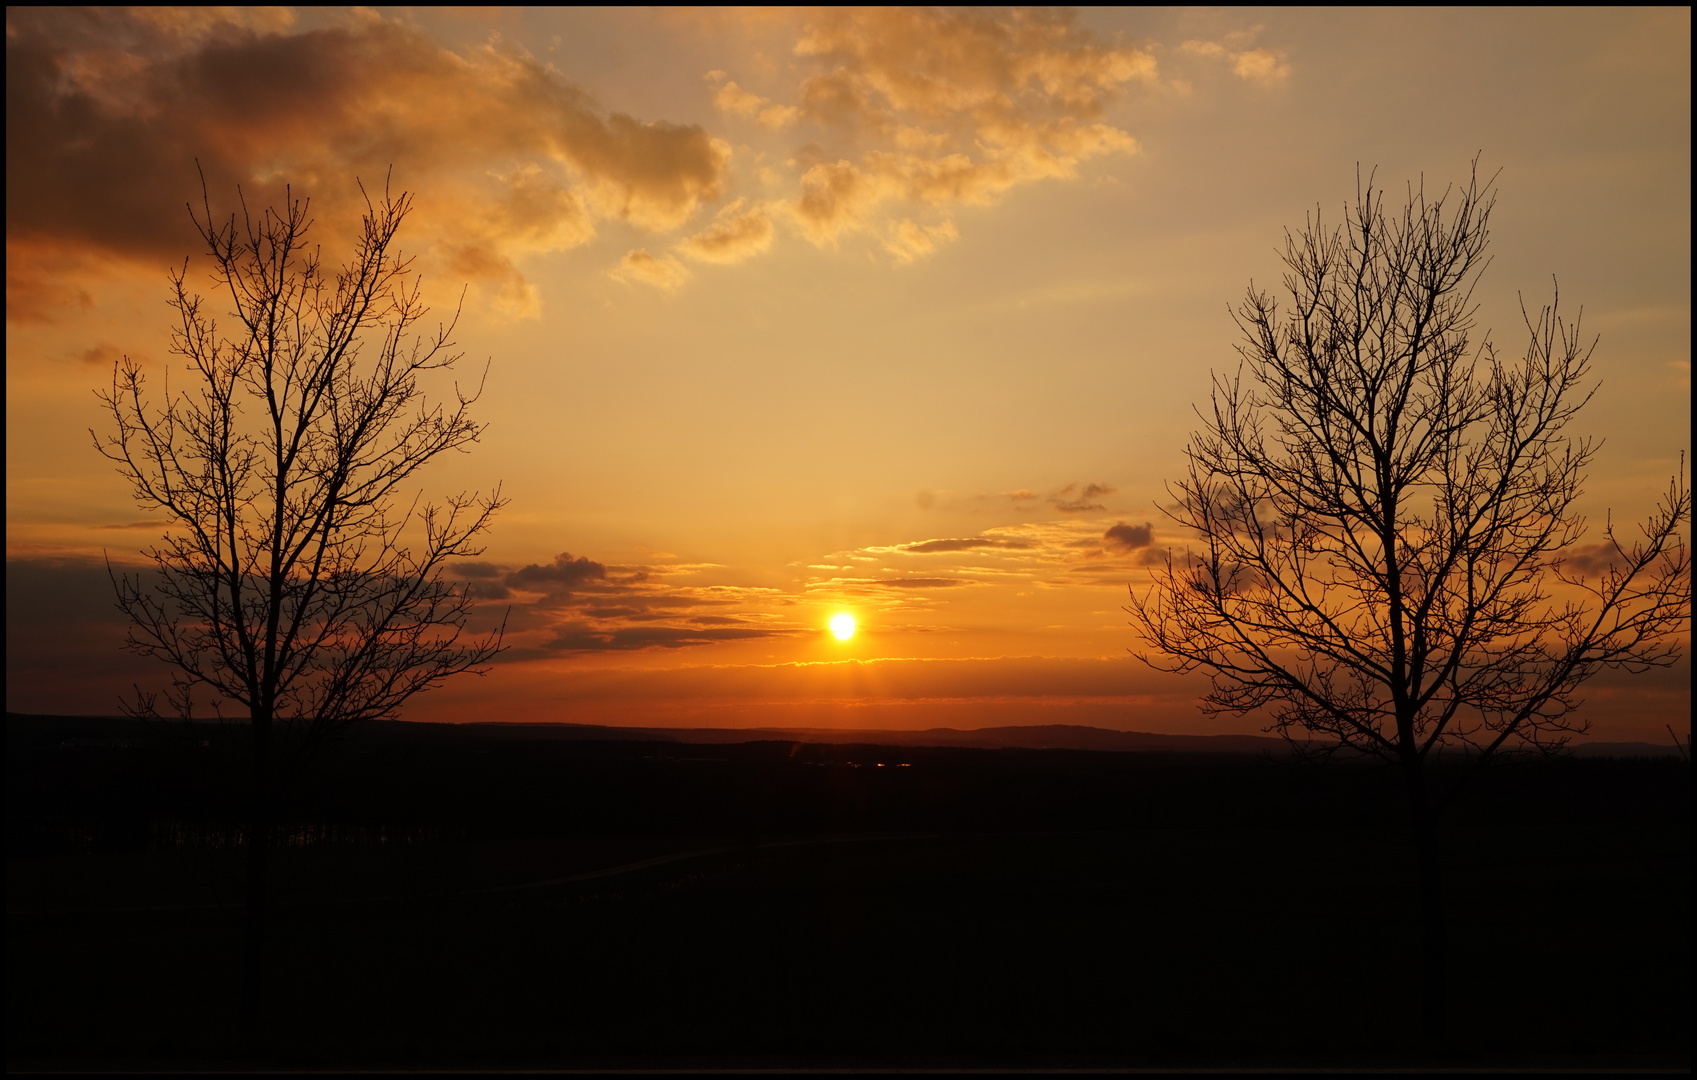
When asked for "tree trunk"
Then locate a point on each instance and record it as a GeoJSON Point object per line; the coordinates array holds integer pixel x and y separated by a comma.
{"type": "Point", "coordinates": [258, 836]}
{"type": "Point", "coordinates": [1433, 943]}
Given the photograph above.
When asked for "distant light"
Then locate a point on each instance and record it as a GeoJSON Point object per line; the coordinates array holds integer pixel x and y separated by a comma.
{"type": "Point", "coordinates": [842, 626]}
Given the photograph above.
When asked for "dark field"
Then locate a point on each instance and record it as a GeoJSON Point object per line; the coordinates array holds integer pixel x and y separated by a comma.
{"type": "Point", "coordinates": [803, 904]}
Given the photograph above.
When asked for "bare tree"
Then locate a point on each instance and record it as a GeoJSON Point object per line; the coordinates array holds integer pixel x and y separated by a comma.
{"type": "Point", "coordinates": [299, 578]}
{"type": "Point", "coordinates": [1387, 522]}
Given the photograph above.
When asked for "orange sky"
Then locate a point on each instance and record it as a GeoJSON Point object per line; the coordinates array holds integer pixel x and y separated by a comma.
{"type": "Point", "coordinates": [793, 313]}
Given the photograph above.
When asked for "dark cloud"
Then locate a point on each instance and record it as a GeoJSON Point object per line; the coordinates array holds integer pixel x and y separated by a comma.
{"type": "Point", "coordinates": [1071, 500]}
{"type": "Point", "coordinates": [563, 575]}
{"type": "Point", "coordinates": [622, 611]}
{"type": "Point", "coordinates": [482, 580]}
{"type": "Point", "coordinates": [629, 598]}
{"type": "Point", "coordinates": [103, 355]}
{"type": "Point", "coordinates": [1590, 560]}
{"type": "Point", "coordinates": [108, 110]}
{"type": "Point", "coordinates": [65, 639]}
{"type": "Point", "coordinates": [583, 638]}
{"type": "Point", "coordinates": [59, 592]}
{"type": "Point", "coordinates": [1123, 537]}
{"type": "Point", "coordinates": [927, 547]}
{"type": "Point", "coordinates": [575, 604]}
{"type": "Point", "coordinates": [65, 636]}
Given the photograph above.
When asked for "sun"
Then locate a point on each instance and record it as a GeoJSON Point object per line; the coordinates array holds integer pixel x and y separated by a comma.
{"type": "Point", "coordinates": [842, 626]}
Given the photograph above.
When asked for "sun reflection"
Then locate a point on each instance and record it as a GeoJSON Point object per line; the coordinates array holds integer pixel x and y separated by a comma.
{"type": "Point", "coordinates": [842, 626]}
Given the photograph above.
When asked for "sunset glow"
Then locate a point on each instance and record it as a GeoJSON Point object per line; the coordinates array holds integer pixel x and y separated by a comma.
{"type": "Point", "coordinates": [789, 314]}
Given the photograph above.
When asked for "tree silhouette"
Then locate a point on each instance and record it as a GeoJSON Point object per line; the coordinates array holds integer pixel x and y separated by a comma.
{"type": "Point", "coordinates": [298, 578]}
{"type": "Point", "coordinates": [1388, 558]}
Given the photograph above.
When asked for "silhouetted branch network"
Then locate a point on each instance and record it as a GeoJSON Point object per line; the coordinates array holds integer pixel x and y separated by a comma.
{"type": "Point", "coordinates": [294, 580]}
{"type": "Point", "coordinates": [1386, 512]}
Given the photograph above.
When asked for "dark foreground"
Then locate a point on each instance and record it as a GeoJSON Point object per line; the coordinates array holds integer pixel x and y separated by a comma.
{"type": "Point", "coordinates": [445, 900]}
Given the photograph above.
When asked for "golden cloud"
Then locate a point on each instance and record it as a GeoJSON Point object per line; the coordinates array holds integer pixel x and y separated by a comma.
{"type": "Point", "coordinates": [109, 112]}
{"type": "Point", "coordinates": [912, 113]}
{"type": "Point", "coordinates": [641, 267]}
{"type": "Point", "coordinates": [1258, 65]}
{"type": "Point", "coordinates": [1071, 552]}
{"type": "Point", "coordinates": [908, 241]}
{"type": "Point", "coordinates": [732, 98]}
{"type": "Point", "coordinates": [938, 108]}
{"type": "Point", "coordinates": [736, 234]}
{"type": "Point", "coordinates": [834, 197]}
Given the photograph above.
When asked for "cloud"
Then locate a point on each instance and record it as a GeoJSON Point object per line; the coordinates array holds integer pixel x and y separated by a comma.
{"type": "Point", "coordinates": [1066, 552]}
{"type": "Point", "coordinates": [482, 580]}
{"type": "Point", "coordinates": [1071, 500]}
{"type": "Point", "coordinates": [1125, 537]}
{"type": "Point", "coordinates": [103, 355]}
{"type": "Point", "coordinates": [65, 639]}
{"type": "Point", "coordinates": [1264, 66]}
{"type": "Point", "coordinates": [909, 113]}
{"type": "Point", "coordinates": [148, 523]}
{"type": "Point", "coordinates": [908, 242]}
{"type": "Point", "coordinates": [108, 111]}
{"type": "Point", "coordinates": [575, 604]}
{"type": "Point", "coordinates": [834, 198]}
{"type": "Point", "coordinates": [946, 63]}
{"type": "Point", "coordinates": [1591, 560]}
{"type": "Point", "coordinates": [736, 234]}
{"type": "Point", "coordinates": [936, 108]}
{"type": "Point", "coordinates": [888, 587]}
{"type": "Point", "coordinates": [578, 638]}
{"type": "Point", "coordinates": [1260, 65]}
{"type": "Point", "coordinates": [42, 282]}
{"type": "Point", "coordinates": [734, 99]}
{"type": "Point", "coordinates": [564, 574]}
{"type": "Point", "coordinates": [974, 543]}
{"type": "Point", "coordinates": [921, 582]}
{"type": "Point", "coordinates": [639, 266]}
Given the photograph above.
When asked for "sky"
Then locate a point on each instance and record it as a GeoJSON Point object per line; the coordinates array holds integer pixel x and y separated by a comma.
{"type": "Point", "coordinates": [787, 314]}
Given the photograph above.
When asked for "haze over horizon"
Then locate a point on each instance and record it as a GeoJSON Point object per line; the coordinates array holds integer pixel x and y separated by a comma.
{"type": "Point", "coordinates": [795, 314]}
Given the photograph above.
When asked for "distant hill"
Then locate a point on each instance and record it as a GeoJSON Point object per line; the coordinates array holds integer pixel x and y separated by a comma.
{"type": "Point", "coordinates": [1024, 737]}
{"type": "Point", "coordinates": [1624, 749]}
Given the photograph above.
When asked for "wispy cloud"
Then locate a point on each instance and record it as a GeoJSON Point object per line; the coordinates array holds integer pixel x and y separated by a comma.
{"type": "Point", "coordinates": [1267, 67]}
{"type": "Point", "coordinates": [663, 272]}
{"type": "Point", "coordinates": [1073, 551]}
